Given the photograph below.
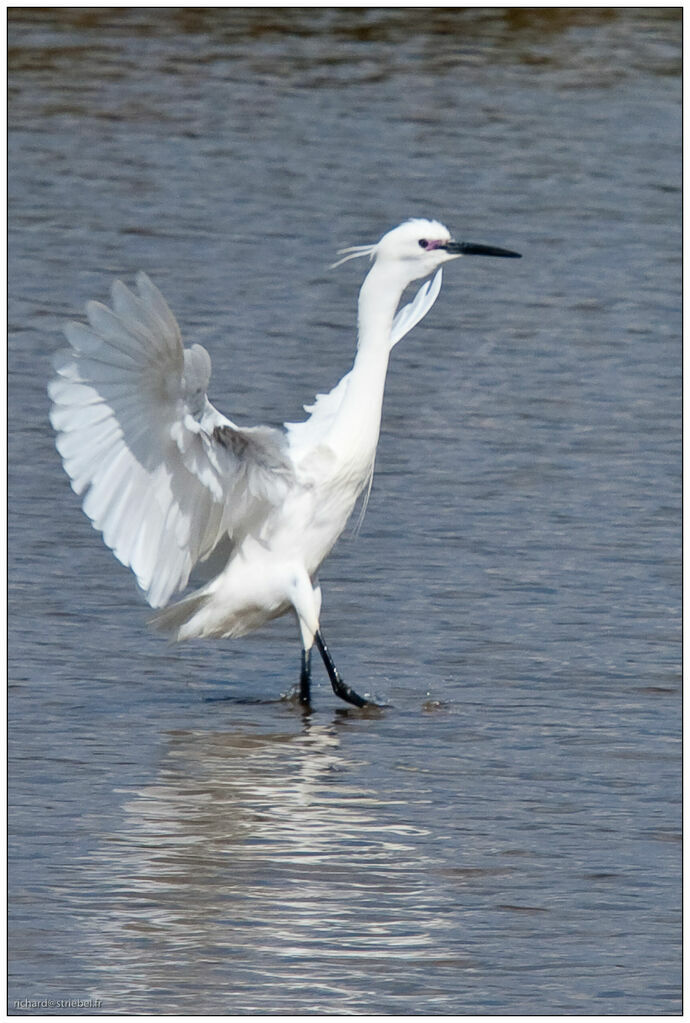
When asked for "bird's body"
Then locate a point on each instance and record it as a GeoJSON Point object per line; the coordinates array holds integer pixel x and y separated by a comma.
{"type": "Point", "coordinates": [172, 484]}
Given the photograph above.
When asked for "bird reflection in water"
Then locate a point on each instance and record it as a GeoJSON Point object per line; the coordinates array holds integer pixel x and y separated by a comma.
{"type": "Point", "coordinates": [253, 851]}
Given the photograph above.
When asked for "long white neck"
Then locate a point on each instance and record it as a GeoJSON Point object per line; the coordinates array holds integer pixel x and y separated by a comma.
{"type": "Point", "coordinates": [379, 298]}
{"type": "Point", "coordinates": [355, 432]}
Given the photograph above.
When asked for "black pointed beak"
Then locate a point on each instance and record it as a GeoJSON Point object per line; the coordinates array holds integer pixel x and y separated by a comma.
{"type": "Point", "coordinates": [470, 249]}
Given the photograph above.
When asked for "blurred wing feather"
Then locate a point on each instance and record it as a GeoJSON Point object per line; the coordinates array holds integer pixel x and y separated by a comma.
{"type": "Point", "coordinates": [322, 413]}
{"type": "Point", "coordinates": [165, 476]}
{"type": "Point", "coordinates": [410, 315]}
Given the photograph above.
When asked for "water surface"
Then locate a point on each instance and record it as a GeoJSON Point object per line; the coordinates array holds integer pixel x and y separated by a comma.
{"type": "Point", "coordinates": [504, 838]}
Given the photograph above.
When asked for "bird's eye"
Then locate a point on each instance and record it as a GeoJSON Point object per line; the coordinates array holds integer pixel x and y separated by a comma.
{"type": "Point", "coordinates": [423, 243]}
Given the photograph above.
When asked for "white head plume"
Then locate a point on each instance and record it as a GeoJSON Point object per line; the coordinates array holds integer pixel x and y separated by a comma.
{"type": "Point", "coordinates": [354, 252]}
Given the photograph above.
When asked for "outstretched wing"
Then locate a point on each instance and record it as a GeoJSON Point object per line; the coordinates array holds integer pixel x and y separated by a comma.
{"type": "Point", "coordinates": [166, 477]}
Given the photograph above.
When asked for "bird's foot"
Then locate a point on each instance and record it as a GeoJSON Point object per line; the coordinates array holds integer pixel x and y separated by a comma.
{"type": "Point", "coordinates": [340, 688]}
{"type": "Point", "coordinates": [347, 693]}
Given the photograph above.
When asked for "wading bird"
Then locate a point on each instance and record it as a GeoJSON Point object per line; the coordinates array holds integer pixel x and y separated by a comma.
{"type": "Point", "coordinates": [172, 484]}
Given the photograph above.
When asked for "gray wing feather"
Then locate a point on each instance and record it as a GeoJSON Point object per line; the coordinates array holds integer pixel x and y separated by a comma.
{"type": "Point", "coordinates": [165, 476]}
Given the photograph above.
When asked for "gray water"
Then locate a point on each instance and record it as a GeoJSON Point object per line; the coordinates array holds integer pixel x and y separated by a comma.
{"type": "Point", "coordinates": [504, 837]}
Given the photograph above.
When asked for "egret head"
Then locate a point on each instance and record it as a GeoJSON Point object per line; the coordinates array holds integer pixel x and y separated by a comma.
{"type": "Point", "coordinates": [418, 247]}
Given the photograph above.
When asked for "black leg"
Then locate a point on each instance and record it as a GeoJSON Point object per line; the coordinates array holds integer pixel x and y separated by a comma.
{"type": "Point", "coordinates": [305, 678]}
{"type": "Point", "coordinates": [339, 687]}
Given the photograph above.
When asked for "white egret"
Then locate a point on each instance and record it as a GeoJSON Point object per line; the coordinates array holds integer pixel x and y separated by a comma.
{"type": "Point", "coordinates": [172, 484]}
